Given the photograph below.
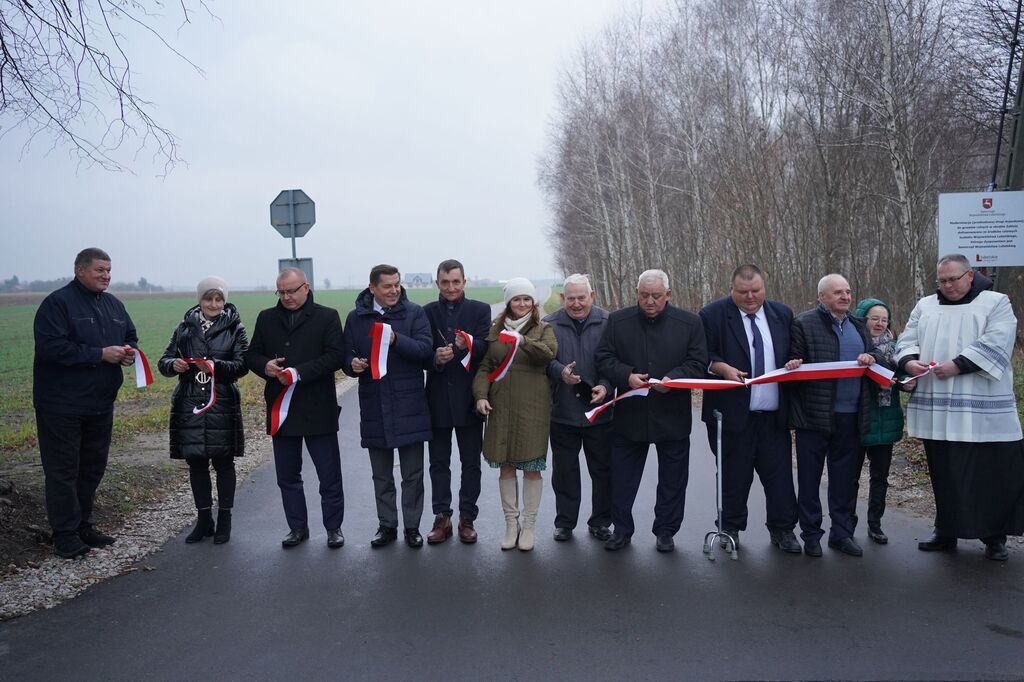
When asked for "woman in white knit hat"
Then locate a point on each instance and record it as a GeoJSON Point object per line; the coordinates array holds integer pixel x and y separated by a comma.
{"type": "Point", "coordinates": [516, 399]}
{"type": "Point", "coordinates": [211, 330]}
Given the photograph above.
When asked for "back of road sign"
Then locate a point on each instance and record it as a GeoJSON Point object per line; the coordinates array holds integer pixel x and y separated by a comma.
{"type": "Point", "coordinates": [292, 213]}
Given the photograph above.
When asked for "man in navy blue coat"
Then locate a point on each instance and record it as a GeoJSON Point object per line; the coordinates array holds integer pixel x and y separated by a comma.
{"type": "Point", "coordinates": [748, 336]}
{"type": "Point", "coordinates": [83, 336]}
{"type": "Point", "coordinates": [393, 411]}
{"type": "Point", "coordinates": [450, 397]}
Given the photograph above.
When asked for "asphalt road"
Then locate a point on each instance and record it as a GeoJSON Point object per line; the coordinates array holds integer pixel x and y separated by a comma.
{"type": "Point", "coordinates": [572, 610]}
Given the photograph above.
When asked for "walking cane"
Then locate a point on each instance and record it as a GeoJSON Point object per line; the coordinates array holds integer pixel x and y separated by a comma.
{"type": "Point", "coordinates": [728, 542]}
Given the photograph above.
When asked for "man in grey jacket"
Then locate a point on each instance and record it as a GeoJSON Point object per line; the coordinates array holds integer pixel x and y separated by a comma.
{"type": "Point", "coordinates": [578, 327]}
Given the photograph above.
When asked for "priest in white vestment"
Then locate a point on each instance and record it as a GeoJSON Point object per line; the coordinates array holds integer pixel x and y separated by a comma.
{"type": "Point", "coordinates": [960, 342]}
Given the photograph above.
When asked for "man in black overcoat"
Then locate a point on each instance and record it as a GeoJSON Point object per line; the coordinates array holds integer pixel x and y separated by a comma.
{"type": "Point", "coordinates": [652, 340]}
{"type": "Point", "coordinates": [83, 336]}
{"type": "Point", "coordinates": [450, 396]}
{"type": "Point", "coordinates": [301, 341]}
{"type": "Point", "coordinates": [749, 336]}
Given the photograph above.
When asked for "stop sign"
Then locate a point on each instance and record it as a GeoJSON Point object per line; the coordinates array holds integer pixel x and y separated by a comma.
{"type": "Point", "coordinates": [292, 213]}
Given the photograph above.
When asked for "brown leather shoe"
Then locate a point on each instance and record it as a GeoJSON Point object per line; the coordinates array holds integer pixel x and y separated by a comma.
{"type": "Point", "coordinates": [466, 532]}
{"type": "Point", "coordinates": [441, 531]}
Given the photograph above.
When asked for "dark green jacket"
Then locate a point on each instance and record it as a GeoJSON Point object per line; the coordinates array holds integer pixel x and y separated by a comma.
{"type": "Point", "coordinates": [885, 424]}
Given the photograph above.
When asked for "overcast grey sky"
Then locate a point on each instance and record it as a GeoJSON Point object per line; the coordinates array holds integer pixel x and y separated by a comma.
{"type": "Point", "coordinates": [415, 126]}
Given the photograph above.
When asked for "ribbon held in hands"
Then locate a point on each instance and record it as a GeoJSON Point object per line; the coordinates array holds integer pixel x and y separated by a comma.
{"type": "Point", "coordinates": [279, 410]}
{"type": "Point", "coordinates": [206, 366]}
{"type": "Point", "coordinates": [143, 375]}
{"type": "Point", "coordinates": [807, 372]}
{"type": "Point", "coordinates": [380, 342]}
{"type": "Point", "coordinates": [468, 338]}
{"type": "Point", "coordinates": [512, 338]}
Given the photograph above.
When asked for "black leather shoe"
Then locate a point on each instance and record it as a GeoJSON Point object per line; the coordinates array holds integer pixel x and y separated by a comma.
{"type": "Point", "coordinates": [734, 534]}
{"type": "Point", "coordinates": [335, 538]}
{"type": "Point", "coordinates": [413, 537]}
{"type": "Point", "coordinates": [937, 543]}
{"type": "Point", "coordinates": [664, 543]}
{"type": "Point", "coordinates": [877, 536]}
{"type": "Point", "coordinates": [786, 541]}
{"type": "Point", "coordinates": [295, 537]}
{"type": "Point", "coordinates": [602, 533]}
{"type": "Point", "coordinates": [563, 534]}
{"type": "Point", "coordinates": [384, 536]}
{"type": "Point", "coordinates": [812, 548]}
{"type": "Point", "coordinates": [94, 538]}
{"type": "Point", "coordinates": [69, 546]}
{"type": "Point", "coordinates": [616, 542]}
{"type": "Point", "coordinates": [996, 551]}
{"type": "Point", "coordinates": [846, 546]}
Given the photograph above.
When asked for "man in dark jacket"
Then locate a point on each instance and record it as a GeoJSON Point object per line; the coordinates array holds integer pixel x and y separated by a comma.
{"type": "Point", "coordinates": [747, 337]}
{"type": "Point", "coordinates": [829, 416]}
{"type": "Point", "coordinates": [653, 340]}
{"type": "Point", "coordinates": [83, 336]}
{"type": "Point", "coordinates": [578, 326]}
{"type": "Point", "coordinates": [393, 412]}
{"type": "Point", "coordinates": [450, 397]}
{"type": "Point", "coordinates": [301, 341]}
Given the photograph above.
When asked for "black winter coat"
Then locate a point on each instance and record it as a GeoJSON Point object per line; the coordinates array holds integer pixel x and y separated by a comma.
{"type": "Point", "coordinates": [450, 387]}
{"type": "Point", "coordinates": [71, 328]}
{"type": "Point", "coordinates": [314, 346]}
{"type": "Point", "coordinates": [566, 407]}
{"type": "Point", "coordinates": [393, 410]}
{"type": "Point", "coordinates": [671, 344]}
{"type": "Point", "coordinates": [217, 432]}
{"type": "Point", "coordinates": [811, 403]}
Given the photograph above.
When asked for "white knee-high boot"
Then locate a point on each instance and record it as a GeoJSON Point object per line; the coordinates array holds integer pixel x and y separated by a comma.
{"type": "Point", "coordinates": [532, 488]}
{"type": "Point", "coordinates": [509, 489]}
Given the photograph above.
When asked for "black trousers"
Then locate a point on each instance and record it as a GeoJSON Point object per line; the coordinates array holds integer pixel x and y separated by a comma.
{"type": "Point", "coordinates": [764, 446]}
{"type": "Point", "coordinates": [471, 441]}
{"type": "Point", "coordinates": [841, 450]}
{"type": "Point", "coordinates": [596, 442]}
{"type": "Point", "coordinates": [73, 450]}
{"type": "Point", "coordinates": [628, 460]}
{"type": "Point", "coordinates": [880, 460]}
{"type": "Point", "coordinates": [326, 455]}
{"type": "Point", "coordinates": [202, 489]}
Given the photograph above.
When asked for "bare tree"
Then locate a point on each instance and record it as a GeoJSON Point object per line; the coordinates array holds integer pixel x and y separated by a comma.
{"type": "Point", "coordinates": [66, 76]}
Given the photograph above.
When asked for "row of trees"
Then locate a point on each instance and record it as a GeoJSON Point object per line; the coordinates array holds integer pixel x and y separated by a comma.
{"type": "Point", "coordinates": [16, 285]}
{"type": "Point", "coordinates": [807, 137]}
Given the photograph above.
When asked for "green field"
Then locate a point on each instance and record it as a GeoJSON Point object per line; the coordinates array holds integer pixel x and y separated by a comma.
{"type": "Point", "coordinates": [140, 410]}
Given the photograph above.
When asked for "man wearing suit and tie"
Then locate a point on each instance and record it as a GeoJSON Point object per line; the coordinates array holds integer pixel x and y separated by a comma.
{"type": "Point", "coordinates": [748, 336]}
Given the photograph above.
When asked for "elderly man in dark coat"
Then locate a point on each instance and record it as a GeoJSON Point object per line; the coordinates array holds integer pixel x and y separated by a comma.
{"type": "Point", "coordinates": [450, 397]}
{"type": "Point", "coordinates": [578, 326]}
{"type": "Point", "coordinates": [829, 416]}
{"type": "Point", "coordinates": [392, 407]}
{"type": "Point", "coordinates": [653, 340]}
{"type": "Point", "coordinates": [748, 336]}
{"type": "Point", "coordinates": [82, 337]}
{"type": "Point", "coordinates": [300, 342]}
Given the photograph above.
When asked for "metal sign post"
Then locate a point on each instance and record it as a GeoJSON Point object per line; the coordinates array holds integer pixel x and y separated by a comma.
{"type": "Point", "coordinates": [293, 214]}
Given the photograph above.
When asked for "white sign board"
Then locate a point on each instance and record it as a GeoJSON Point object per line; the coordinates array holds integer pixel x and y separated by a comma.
{"type": "Point", "coordinates": [987, 227]}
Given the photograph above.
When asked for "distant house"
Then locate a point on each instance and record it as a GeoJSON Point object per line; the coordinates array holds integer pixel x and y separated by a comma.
{"type": "Point", "coordinates": [418, 280]}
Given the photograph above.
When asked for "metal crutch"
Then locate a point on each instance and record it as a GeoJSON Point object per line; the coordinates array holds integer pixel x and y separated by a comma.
{"type": "Point", "coordinates": [728, 542]}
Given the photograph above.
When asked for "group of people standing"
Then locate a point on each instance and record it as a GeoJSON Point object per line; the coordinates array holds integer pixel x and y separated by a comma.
{"type": "Point", "coordinates": [508, 388]}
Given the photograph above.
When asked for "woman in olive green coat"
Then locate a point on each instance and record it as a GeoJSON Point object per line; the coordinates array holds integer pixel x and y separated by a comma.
{"type": "Point", "coordinates": [518, 407]}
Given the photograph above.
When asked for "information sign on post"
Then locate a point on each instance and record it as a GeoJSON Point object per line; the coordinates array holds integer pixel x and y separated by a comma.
{"type": "Point", "coordinates": [986, 227]}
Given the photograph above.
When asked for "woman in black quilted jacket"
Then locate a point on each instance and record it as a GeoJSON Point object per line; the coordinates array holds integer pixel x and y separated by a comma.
{"type": "Point", "coordinates": [211, 330]}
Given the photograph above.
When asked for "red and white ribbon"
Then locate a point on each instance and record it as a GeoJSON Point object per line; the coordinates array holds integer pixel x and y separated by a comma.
{"type": "Point", "coordinates": [513, 339]}
{"type": "Point", "coordinates": [279, 410]}
{"type": "Point", "coordinates": [907, 380]}
{"type": "Point", "coordinates": [808, 372]}
{"type": "Point", "coordinates": [380, 342]}
{"type": "Point", "coordinates": [143, 374]}
{"type": "Point", "coordinates": [207, 366]}
{"type": "Point", "coordinates": [468, 338]}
